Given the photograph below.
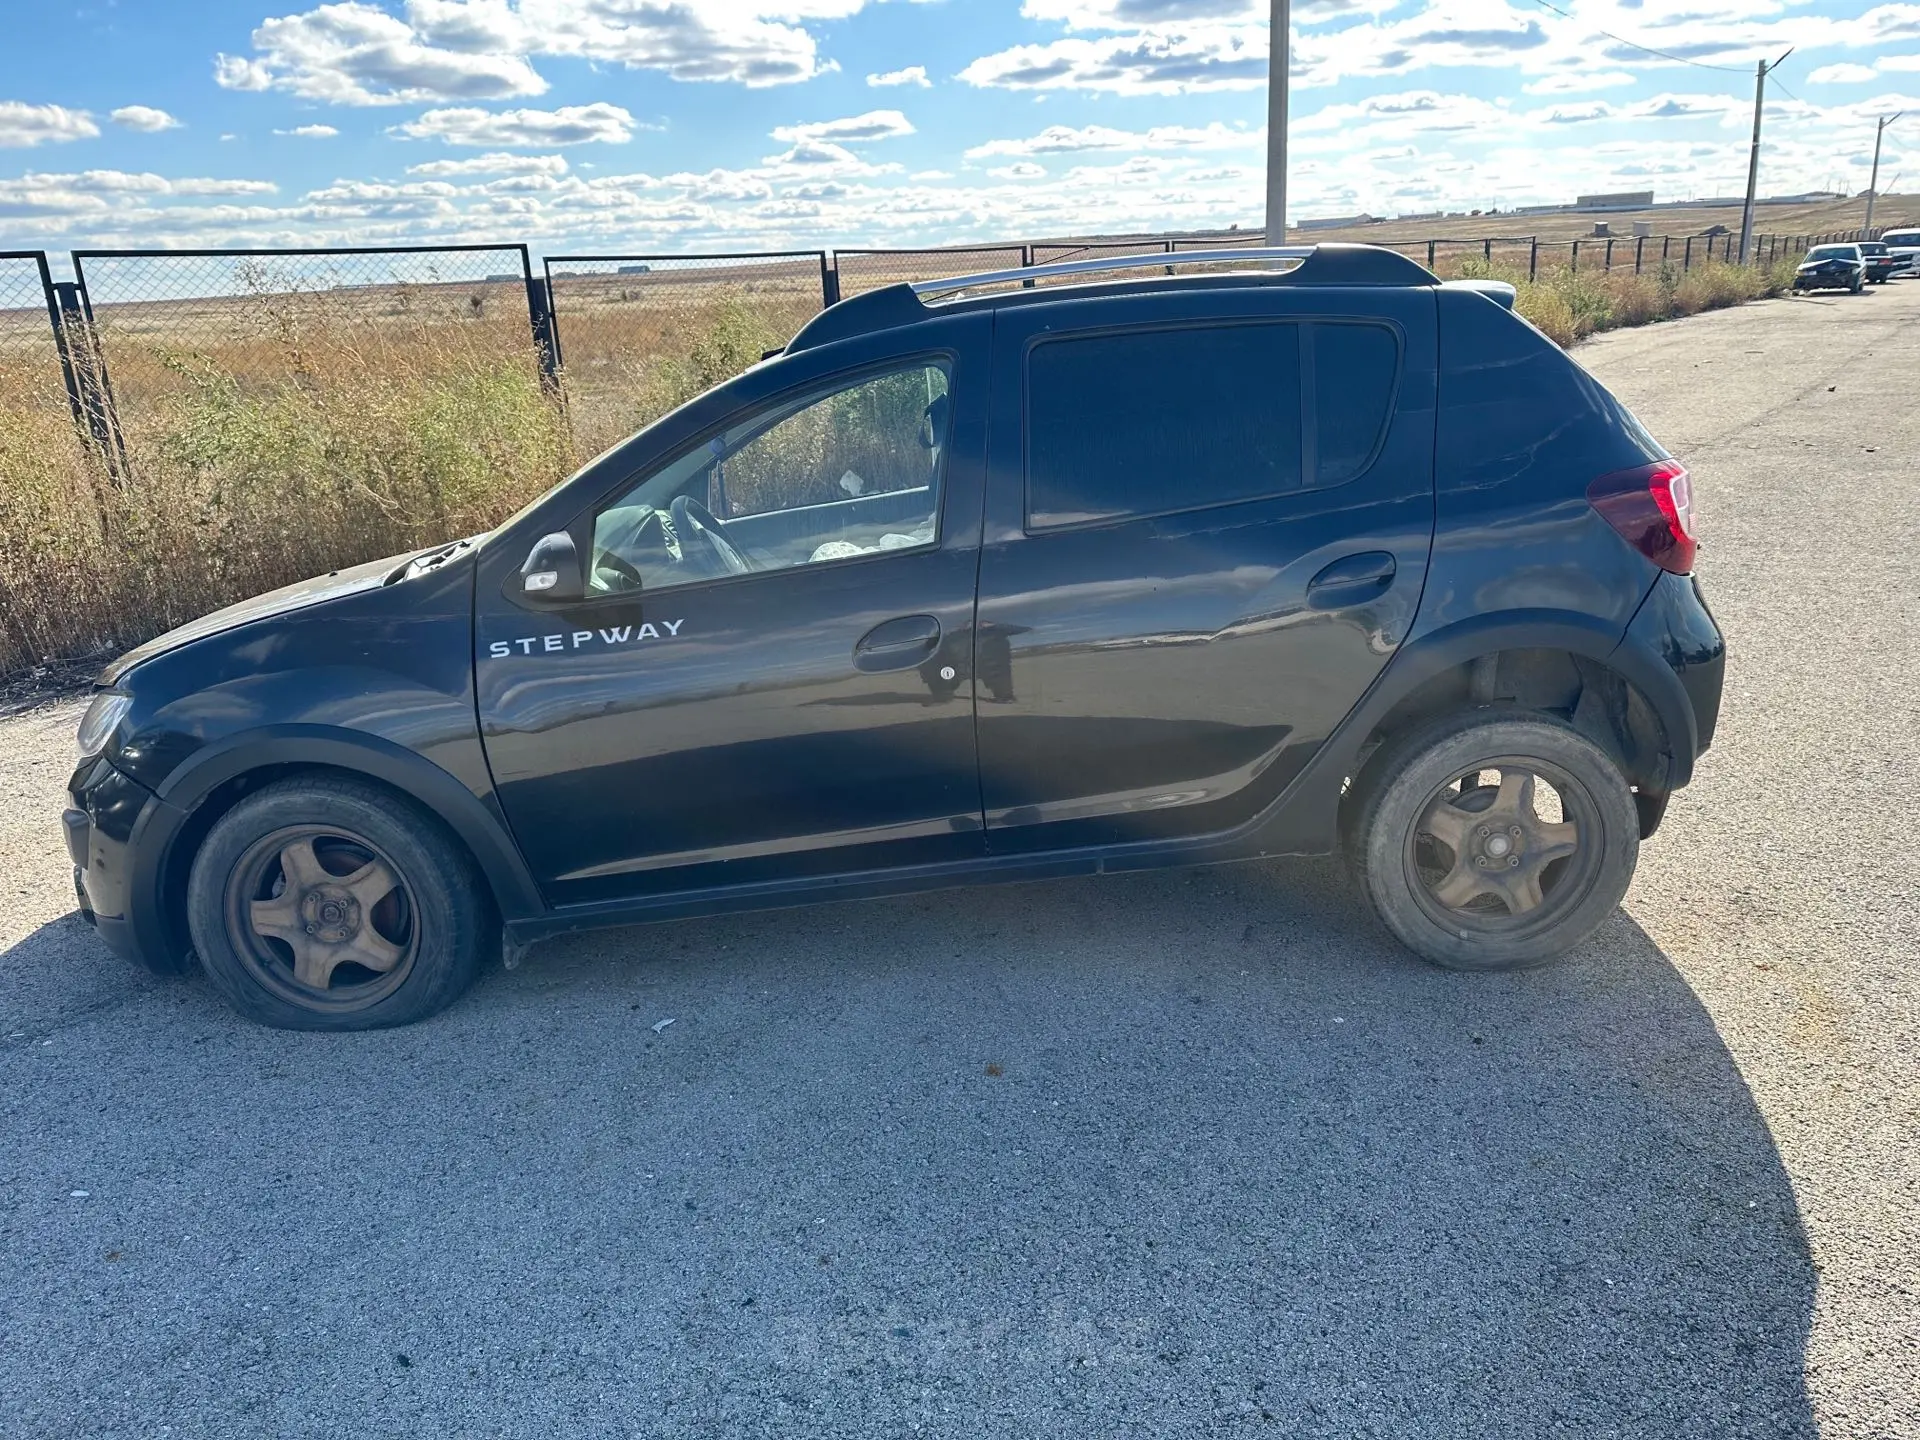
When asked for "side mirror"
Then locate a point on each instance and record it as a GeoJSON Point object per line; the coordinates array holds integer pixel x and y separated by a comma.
{"type": "Point", "coordinates": [552, 571]}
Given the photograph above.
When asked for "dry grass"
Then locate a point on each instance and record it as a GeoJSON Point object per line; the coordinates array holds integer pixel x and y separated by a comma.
{"type": "Point", "coordinates": [275, 436]}
{"type": "Point", "coordinates": [1568, 305]}
{"type": "Point", "coordinates": [341, 441]}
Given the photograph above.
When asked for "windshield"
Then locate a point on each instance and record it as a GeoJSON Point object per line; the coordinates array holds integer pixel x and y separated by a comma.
{"type": "Point", "coordinates": [1873, 247]}
{"type": "Point", "coordinates": [1901, 237]}
{"type": "Point", "coordinates": [1834, 252]}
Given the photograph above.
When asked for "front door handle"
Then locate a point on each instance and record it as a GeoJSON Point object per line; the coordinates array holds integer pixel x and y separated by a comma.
{"type": "Point", "coordinates": [1351, 580]}
{"type": "Point", "coordinates": [897, 644]}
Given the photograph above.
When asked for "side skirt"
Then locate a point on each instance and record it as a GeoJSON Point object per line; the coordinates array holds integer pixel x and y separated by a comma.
{"type": "Point", "coordinates": [873, 884]}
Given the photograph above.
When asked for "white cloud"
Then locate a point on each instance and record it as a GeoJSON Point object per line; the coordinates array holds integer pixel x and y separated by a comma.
{"type": "Point", "coordinates": [819, 157]}
{"type": "Point", "coordinates": [1144, 14]}
{"type": "Point", "coordinates": [912, 75]}
{"type": "Point", "coordinates": [497, 163]}
{"type": "Point", "coordinates": [124, 182]}
{"type": "Point", "coordinates": [569, 125]}
{"type": "Point", "coordinates": [144, 118]}
{"type": "Point", "coordinates": [874, 125]}
{"type": "Point", "coordinates": [23, 126]}
{"type": "Point", "coordinates": [310, 132]}
{"type": "Point", "coordinates": [1577, 82]}
{"type": "Point", "coordinates": [1893, 63]}
{"type": "Point", "coordinates": [1843, 74]}
{"type": "Point", "coordinates": [1142, 63]}
{"type": "Point", "coordinates": [1022, 170]}
{"type": "Point", "coordinates": [1065, 139]}
{"type": "Point", "coordinates": [353, 54]}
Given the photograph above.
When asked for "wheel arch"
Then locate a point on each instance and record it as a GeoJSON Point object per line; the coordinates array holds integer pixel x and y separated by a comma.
{"type": "Point", "coordinates": [1607, 686]}
{"type": "Point", "coordinates": [213, 780]}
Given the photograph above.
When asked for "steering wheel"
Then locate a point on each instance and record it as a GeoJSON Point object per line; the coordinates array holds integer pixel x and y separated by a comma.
{"type": "Point", "coordinates": [691, 517]}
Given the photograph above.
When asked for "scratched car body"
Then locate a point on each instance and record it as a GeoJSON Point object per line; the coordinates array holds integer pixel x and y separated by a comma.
{"type": "Point", "coordinates": [982, 579]}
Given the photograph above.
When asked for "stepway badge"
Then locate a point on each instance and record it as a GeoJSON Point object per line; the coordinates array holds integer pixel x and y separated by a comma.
{"type": "Point", "coordinates": [614, 635]}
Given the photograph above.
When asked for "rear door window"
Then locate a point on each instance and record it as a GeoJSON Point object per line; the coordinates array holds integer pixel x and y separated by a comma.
{"type": "Point", "coordinates": [1127, 424]}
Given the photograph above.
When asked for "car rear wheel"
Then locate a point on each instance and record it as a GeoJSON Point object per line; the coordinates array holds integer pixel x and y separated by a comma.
{"type": "Point", "coordinates": [1489, 842]}
{"type": "Point", "coordinates": [329, 904]}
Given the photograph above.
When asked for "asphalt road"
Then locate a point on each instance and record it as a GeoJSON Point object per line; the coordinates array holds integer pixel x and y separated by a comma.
{"type": "Point", "coordinates": [1183, 1154]}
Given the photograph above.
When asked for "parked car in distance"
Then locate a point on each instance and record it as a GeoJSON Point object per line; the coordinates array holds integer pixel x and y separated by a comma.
{"type": "Point", "coordinates": [1832, 267]}
{"type": "Point", "coordinates": [1904, 247]}
{"type": "Point", "coordinates": [1063, 570]}
{"type": "Point", "coordinates": [1879, 261]}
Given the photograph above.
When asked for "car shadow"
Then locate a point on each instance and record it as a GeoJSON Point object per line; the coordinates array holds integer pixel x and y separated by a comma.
{"type": "Point", "coordinates": [1161, 1154]}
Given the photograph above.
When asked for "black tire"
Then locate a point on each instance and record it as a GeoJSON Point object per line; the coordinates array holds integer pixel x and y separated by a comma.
{"type": "Point", "coordinates": [278, 886]}
{"type": "Point", "coordinates": [1410, 790]}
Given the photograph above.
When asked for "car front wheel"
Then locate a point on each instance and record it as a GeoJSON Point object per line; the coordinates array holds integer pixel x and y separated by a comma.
{"type": "Point", "coordinates": [325, 903]}
{"type": "Point", "coordinates": [1490, 841]}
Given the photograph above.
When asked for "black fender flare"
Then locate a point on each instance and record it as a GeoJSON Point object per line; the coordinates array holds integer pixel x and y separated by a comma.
{"type": "Point", "coordinates": [1307, 811]}
{"type": "Point", "coordinates": [1603, 642]}
{"type": "Point", "coordinates": [485, 834]}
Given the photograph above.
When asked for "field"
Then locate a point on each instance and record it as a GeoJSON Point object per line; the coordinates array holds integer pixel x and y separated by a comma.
{"type": "Point", "coordinates": [269, 418]}
{"type": "Point", "coordinates": [1812, 218]}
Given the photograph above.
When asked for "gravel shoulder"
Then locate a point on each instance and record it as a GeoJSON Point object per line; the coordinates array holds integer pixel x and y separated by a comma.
{"type": "Point", "coordinates": [1190, 1153]}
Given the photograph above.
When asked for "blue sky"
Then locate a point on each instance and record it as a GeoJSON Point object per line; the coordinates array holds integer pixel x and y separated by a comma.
{"type": "Point", "coordinates": [699, 124]}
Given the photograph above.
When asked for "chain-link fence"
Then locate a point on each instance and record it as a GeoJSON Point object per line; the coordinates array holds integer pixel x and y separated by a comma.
{"type": "Point", "coordinates": [30, 372]}
{"type": "Point", "coordinates": [176, 327]}
{"type": "Point", "coordinates": [862, 270]}
{"type": "Point", "coordinates": [640, 334]}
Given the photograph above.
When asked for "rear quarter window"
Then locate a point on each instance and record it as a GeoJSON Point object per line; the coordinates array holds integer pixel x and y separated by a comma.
{"type": "Point", "coordinates": [1129, 424]}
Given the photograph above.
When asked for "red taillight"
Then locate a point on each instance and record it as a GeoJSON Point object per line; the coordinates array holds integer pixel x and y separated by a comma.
{"type": "Point", "coordinates": [1652, 507]}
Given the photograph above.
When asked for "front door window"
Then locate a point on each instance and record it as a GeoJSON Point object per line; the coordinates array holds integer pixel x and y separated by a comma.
{"type": "Point", "coordinates": [834, 475]}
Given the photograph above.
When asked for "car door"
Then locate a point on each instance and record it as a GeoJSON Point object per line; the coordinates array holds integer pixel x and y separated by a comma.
{"type": "Point", "coordinates": [696, 722]}
{"type": "Point", "coordinates": [1208, 522]}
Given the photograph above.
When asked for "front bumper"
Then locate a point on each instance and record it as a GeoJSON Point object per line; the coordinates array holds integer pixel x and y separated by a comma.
{"type": "Point", "coordinates": [99, 829]}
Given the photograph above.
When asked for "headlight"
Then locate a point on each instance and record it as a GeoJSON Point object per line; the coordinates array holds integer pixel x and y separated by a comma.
{"type": "Point", "coordinates": [108, 709]}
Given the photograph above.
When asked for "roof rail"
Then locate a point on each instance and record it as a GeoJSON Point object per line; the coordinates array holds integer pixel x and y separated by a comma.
{"type": "Point", "coordinates": [1157, 260]}
{"type": "Point", "coordinates": [897, 305]}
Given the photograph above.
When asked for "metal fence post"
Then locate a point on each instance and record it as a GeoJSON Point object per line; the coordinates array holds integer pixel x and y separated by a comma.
{"type": "Point", "coordinates": [1639, 251]}
{"type": "Point", "coordinates": [1533, 257]}
{"type": "Point", "coordinates": [1429, 254]}
{"type": "Point", "coordinates": [829, 282]}
{"type": "Point", "coordinates": [1486, 250]}
{"type": "Point", "coordinates": [1573, 263]}
{"type": "Point", "coordinates": [546, 330]}
{"type": "Point", "coordinates": [84, 368]}
{"type": "Point", "coordinates": [1686, 257]}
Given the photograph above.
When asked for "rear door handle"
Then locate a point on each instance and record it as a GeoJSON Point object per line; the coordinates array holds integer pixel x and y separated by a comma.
{"type": "Point", "coordinates": [897, 644]}
{"type": "Point", "coordinates": [1351, 580]}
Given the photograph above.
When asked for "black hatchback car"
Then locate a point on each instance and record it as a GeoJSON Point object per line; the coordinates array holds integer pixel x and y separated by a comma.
{"type": "Point", "coordinates": [1054, 572]}
{"type": "Point", "coordinates": [1831, 267]}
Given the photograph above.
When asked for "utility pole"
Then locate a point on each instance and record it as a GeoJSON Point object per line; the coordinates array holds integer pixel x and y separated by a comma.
{"type": "Point", "coordinates": [1753, 156]}
{"type": "Point", "coordinates": [1873, 185]}
{"type": "Point", "coordinates": [1277, 75]}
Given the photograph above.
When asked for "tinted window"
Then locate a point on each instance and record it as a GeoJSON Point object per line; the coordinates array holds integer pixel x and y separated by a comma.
{"type": "Point", "coordinates": [848, 471]}
{"type": "Point", "coordinates": [1152, 421]}
{"type": "Point", "coordinates": [1353, 373]}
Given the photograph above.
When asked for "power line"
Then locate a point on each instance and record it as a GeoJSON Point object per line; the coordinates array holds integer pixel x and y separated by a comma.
{"type": "Point", "coordinates": [1636, 45]}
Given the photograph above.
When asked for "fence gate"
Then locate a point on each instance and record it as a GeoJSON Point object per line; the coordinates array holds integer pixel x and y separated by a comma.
{"type": "Point", "coordinates": [639, 334]}
{"type": "Point", "coordinates": [163, 321]}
